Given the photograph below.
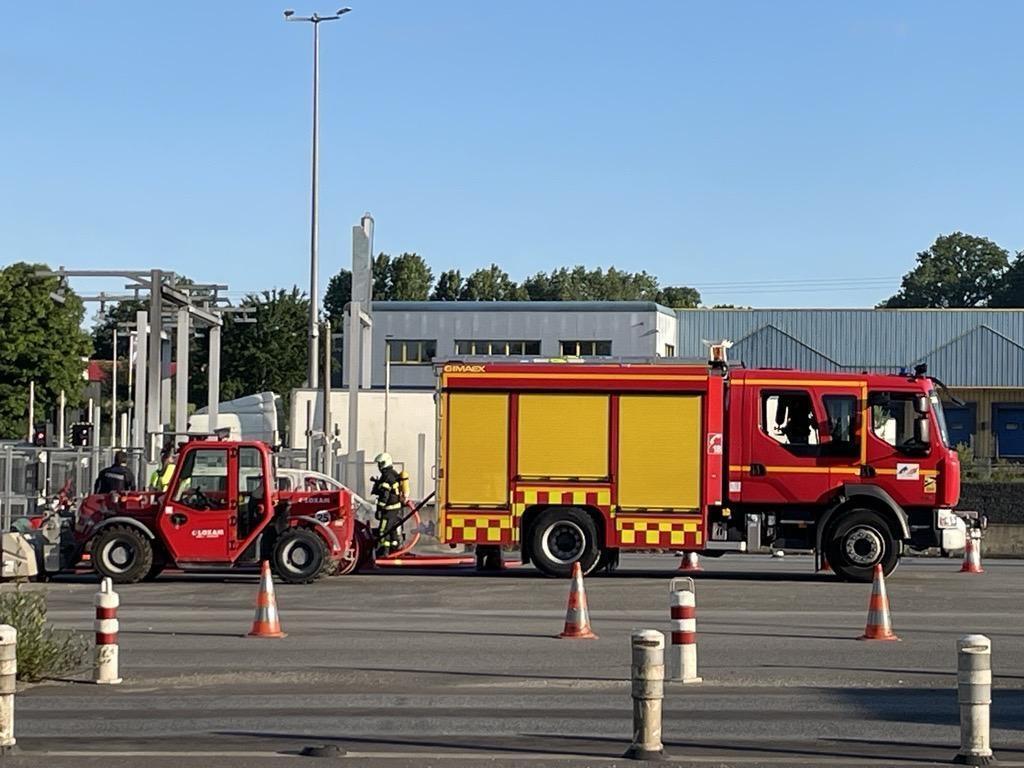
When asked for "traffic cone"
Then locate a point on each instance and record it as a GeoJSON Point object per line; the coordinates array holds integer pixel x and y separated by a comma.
{"type": "Point", "coordinates": [267, 623]}
{"type": "Point", "coordinates": [825, 567]}
{"type": "Point", "coordinates": [691, 562]}
{"type": "Point", "coordinates": [972, 555]}
{"type": "Point", "coordinates": [577, 617]}
{"type": "Point", "coordinates": [879, 626]}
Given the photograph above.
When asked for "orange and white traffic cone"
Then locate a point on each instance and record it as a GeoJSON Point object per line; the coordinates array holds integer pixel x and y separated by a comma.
{"type": "Point", "coordinates": [267, 622]}
{"type": "Point", "coordinates": [691, 563]}
{"type": "Point", "coordinates": [879, 626]}
{"type": "Point", "coordinates": [972, 554]}
{"type": "Point", "coordinates": [825, 567]}
{"type": "Point", "coordinates": [577, 617]}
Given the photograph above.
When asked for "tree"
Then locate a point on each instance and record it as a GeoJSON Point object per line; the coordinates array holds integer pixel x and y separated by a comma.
{"type": "Point", "coordinates": [41, 340]}
{"type": "Point", "coordinates": [679, 297]}
{"type": "Point", "coordinates": [339, 293]}
{"type": "Point", "coordinates": [103, 331]}
{"type": "Point", "coordinates": [491, 284]}
{"type": "Point", "coordinates": [1010, 292]}
{"type": "Point", "coordinates": [411, 278]}
{"type": "Point", "coordinates": [957, 271]}
{"type": "Point", "coordinates": [382, 287]}
{"type": "Point", "coordinates": [270, 354]}
{"type": "Point", "coordinates": [449, 286]}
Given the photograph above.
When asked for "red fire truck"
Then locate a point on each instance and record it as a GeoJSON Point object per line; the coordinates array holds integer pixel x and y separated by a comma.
{"type": "Point", "coordinates": [577, 461]}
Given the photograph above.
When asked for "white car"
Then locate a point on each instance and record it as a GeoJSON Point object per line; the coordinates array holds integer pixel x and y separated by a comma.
{"type": "Point", "coordinates": [290, 479]}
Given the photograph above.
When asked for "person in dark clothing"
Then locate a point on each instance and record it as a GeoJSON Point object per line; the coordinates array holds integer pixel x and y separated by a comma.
{"type": "Point", "coordinates": [390, 490]}
{"type": "Point", "coordinates": [117, 477]}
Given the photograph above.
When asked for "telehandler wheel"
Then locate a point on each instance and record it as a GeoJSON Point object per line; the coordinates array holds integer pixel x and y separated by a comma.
{"type": "Point", "coordinates": [155, 569]}
{"type": "Point", "coordinates": [123, 553]}
{"type": "Point", "coordinates": [300, 556]}
{"type": "Point", "coordinates": [859, 541]}
{"type": "Point", "coordinates": [351, 564]}
{"type": "Point", "coordinates": [562, 536]}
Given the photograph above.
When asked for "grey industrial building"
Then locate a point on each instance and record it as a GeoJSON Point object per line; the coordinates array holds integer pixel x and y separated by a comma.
{"type": "Point", "coordinates": [978, 354]}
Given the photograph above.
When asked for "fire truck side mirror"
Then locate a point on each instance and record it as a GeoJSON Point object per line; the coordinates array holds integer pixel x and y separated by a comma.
{"type": "Point", "coordinates": [922, 430]}
{"type": "Point", "coordinates": [921, 404]}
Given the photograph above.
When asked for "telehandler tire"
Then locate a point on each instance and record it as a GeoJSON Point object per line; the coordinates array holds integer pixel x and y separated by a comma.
{"type": "Point", "coordinates": [300, 556]}
{"type": "Point", "coordinates": [122, 553]}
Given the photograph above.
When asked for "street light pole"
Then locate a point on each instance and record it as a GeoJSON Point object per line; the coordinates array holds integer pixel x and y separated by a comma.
{"type": "Point", "coordinates": [312, 368]}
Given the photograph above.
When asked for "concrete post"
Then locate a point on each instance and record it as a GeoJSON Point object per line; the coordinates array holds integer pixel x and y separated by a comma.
{"type": "Point", "coordinates": [648, 674]}
{"type": "Point", "coordinates": [213, 368]}
{"type": "Point", "coordinates": [183, 335]}
{"type": "Point", "coordinates": [8, 677]}
{"type": "Point", "coordinates": [682, 659]}
{"type": "Point", "coordinates": [327, 464]}
{"type": "Point", "coordinates": [352, 343]}
{"type": "Point", "coordinates": [107, 627]}
{"type": "Point", "coordinates": [113, 391]}
{"type": "Point", "coordinates": [974, 692]}
{"type": "Point", "coordinates": [62, 427]}
{"type": "Point", "coordinates": [154, 373]}
{"type": "Point", "coordinates": [31, 410]}
{"type": "Point", "coordinates": [141, 353]}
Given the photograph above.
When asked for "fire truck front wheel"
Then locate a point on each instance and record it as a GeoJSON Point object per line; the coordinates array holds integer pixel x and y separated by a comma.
{"type": "Point", "coordinates": [123, 553]}
{"type": "Point", "coordinates": [300, 556]}
{"type": "Point", "coordinates": [860, 541]}
{"type": "Point", "coordinates": [562, 536]}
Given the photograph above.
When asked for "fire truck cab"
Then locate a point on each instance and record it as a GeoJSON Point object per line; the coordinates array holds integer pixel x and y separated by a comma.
{"type": "Point", "coordinates": [576, 461]}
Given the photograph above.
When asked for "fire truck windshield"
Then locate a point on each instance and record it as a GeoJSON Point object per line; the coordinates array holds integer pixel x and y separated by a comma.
{"type": "Point", "coordinates": [940, 416]}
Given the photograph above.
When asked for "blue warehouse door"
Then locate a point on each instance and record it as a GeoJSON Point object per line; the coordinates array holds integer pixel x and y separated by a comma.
{"type": "Point", "coordinates": [1008, 421]}
{"type": "Point", "coordinates": [961, 421]}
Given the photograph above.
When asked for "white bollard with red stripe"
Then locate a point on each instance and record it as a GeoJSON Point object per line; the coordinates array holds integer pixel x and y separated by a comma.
{"type": "Point", "coordinates": [106, 627]}
{"type": "Point", "coordinates": [682, 653]}
{"type": "Point", "coordinates": [8, 684]}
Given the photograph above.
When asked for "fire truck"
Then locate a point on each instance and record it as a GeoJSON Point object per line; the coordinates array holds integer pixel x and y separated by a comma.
{"type": "Point", "coordinates": [573, 461]}
{"type": "Point", "coordinates": [221, 509]}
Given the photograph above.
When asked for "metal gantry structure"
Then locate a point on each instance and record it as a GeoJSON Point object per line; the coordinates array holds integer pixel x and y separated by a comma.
{"type": "Point", "coordinates": [173, 304]}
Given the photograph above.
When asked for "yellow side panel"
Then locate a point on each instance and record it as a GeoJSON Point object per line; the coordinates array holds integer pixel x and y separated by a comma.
{"type": "Point", "coordinates": [659, 451]}
{"type": "Point", "coordinates": [477, 470]}
{"type": "Point", "coordinates": [563, 436]}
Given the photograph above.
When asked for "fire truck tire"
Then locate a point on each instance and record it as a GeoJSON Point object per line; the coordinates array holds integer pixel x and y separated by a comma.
{"type": "Point", "coordinates": [300, 556]}
{"type": "Point", "coordinates": [858, 541]}
{"type": "Point", "coordinates": [123, 553]}
{"type": "Point", "coordinates": [562, 536]}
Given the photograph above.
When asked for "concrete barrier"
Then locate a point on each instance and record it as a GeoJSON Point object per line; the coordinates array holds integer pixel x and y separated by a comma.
{"type": "Point", "coordinates": [648, 675]}
{"type": "Point", "coordinates": [974, 693]}
{"type": "Point", "coordinates": [8, 683]}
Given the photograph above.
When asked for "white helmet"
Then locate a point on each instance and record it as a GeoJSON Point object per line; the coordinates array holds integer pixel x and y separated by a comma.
{"type": "Point", "coordinates": [383, 460]}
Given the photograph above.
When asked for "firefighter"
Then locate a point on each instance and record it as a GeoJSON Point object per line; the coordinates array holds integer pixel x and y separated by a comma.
{"type": "Point", "coordinates": [390, 489]}
{"type": "Point", "coordinates": [161, 476]}
{"type": "Point", "coordinates": [117, 477]}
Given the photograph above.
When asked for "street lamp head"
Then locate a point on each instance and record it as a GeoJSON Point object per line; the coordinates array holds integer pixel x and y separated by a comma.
{"type": "Point", "coordinates": [342, 11]}
{"type": "Point", "coordinates": [288, 13]}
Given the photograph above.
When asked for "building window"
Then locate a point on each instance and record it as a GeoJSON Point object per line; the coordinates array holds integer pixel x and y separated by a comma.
{"type": "Point", "coordinates": [586, 348]}
{"type": "Point", "coordinates": [497, 347]}
{"type": "Point", "coordinates": [670, 350]}
{"type": "Point", "coordinates": [412, 351]}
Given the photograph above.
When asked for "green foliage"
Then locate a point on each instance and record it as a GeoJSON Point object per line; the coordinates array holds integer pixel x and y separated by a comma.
{"type": "Point", "coordinates": [957, 271]}
{"type": "Point", "coordinates": [339, 293]}
{"type": "Point", "coordinates": [40, 340]}
{"type": "Point", "coordinates": [270, 354]}
{"type": "Point", "coordinates": [491, 284]}
{"type": "Point", "coordinates": [449, 286]}
{"type": "Point", "coordinates": [103, 331]}
{"type": "Point", "coordinates": [411, 278]}
{"type": "Point", "coordinates": [42, 651]}
{"type": "Point", "coordinates": [1010, 292]}
{"type": "Point", "coordinates": [382, 276]}
{"type": "Point", "coordinates": [679, 297]}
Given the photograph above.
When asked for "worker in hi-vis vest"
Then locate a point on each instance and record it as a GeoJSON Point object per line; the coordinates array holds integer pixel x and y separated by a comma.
{"type": "Point", "coordinates": [162, 475]}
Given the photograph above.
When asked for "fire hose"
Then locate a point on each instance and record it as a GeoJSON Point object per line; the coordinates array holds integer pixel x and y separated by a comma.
{"type": "Point", "coordinates": [402, 556]}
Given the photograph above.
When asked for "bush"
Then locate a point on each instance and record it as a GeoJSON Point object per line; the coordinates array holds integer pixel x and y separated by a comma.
{"type": "Point", "coordinates": [42, 651]}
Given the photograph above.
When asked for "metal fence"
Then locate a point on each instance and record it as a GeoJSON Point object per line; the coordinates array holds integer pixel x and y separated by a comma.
{"type": "Point", "coordinates": [29, 475]}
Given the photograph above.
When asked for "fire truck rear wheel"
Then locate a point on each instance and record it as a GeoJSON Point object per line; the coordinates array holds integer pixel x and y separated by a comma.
{"type": "Point", "coordinates": [860, 540]}
{"type": "Point", "coordinates": [300, 556]}
{"type": "Point", "coordinates": [123, 553]}
{"type": "Point", "coordinates": [562, 536]}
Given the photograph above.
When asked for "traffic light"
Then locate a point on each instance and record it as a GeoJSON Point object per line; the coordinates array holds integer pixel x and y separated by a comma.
{"type": "Point", "coordinates": [81, 434]}
{"type": "Point", "coordinates": [39, 435]}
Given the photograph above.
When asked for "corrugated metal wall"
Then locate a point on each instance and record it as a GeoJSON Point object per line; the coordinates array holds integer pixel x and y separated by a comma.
{"type": "Point", "coordinates": [966, 348]}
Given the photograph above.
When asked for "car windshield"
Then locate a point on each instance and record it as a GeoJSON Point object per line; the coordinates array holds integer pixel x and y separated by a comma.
{"type": "Point", "coordinates": [940, 416]}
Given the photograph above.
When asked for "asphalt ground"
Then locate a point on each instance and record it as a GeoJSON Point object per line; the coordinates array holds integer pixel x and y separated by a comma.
{"type": "Point", "coordinates": [423, 668]}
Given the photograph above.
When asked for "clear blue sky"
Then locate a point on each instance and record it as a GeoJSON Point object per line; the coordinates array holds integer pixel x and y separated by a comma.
{"type": "Point", "coordinates": [707, 143]}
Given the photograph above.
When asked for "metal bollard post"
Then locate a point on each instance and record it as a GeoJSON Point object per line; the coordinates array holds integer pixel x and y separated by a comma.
{"type": "Point", "coordinates": [648, 673]}
{"type": "Point", "coordinates": [8, 678]}
{"type": "Point", "coordinates": [682, 658]}
{"type": "Point", "coordinates": [107, 627]}
{"type": "Point", "coordinates": [974, 692]}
